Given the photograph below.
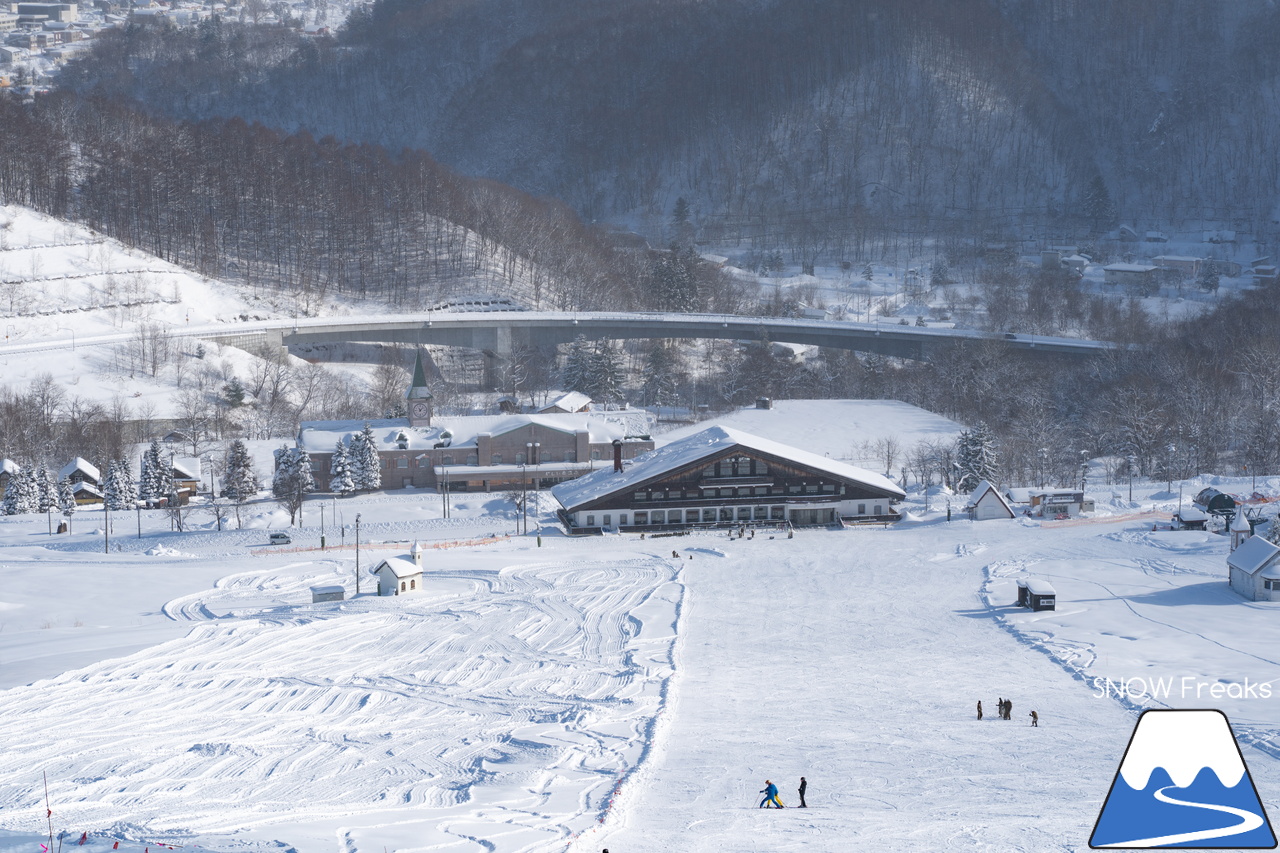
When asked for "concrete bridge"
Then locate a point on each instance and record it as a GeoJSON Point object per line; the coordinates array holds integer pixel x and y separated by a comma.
{"type": "Point", "coordinates": [500, 333]}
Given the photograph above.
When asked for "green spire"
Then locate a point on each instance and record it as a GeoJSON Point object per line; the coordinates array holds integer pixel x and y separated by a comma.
{"type": "Point", "coordinates": [418, 389]}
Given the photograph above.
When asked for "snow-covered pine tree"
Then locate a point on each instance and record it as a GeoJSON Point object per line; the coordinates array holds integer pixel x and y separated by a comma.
{"type": "Point", "coordinates": [340, 481]}
{"type": "Point", "coordinates": [127, 488]}
{"type": "Point", "coordinates": [151, 479]}
{"type": "Point", "coordinates": [661, 375]}
{"type": "Point", "coordinates": [606, 374]}
{"type": "Point", "coordinates": [576, 373]}
{"type": "Point", "coordinates": [46, 490]}
{"type": "Point", "coordinates": [67, 499]}
{"type": "Point", "coordinates": [976, 457]}
{"type": "Point", "coordinates": [240, 482]}
{"type": "Point", "coordinates": [366, 465]}
{"type": "Point", "coordinates": [118, 491]}
{"type": "Point", "coordinates": [21, 495]}
{"type": "Point", "coordinates": [292, 479]}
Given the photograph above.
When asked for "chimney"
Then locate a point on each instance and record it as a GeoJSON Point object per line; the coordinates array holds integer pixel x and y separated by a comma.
{"type": "Point", "coordinates": [617, 455]}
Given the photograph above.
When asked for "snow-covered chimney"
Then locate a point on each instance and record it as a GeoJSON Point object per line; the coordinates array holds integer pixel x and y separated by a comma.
{"type": "Point", "coordinates": [617, 455]}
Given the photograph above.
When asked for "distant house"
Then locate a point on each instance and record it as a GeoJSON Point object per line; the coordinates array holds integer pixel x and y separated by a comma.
{"type": "Point", "coordinates": [401, 575]}
{"type": "Point", "coordinates": [80, 471]}
{"type": "Point", "coordinates": [86, 493]}
{"type": "Point", "coordinates": [1254, 570]}
{"type": "Point", "coordinates": [1264, 274]}
{"type": "Point", "coordinates": [574, 401]}
{"type": "Point", "coordinates": [186, 474]}
{"type": "Point", "coordinates": [1185, 264]}
{"type": "Point", "coordinates": [986, 503]}
{"type": "Point", "coordinates": [1219, 236]}
{"type": "Point", "coordinates": [1051, 503]}
{"type": "Point", "coordinates": [1127, 234]}
{"type": "Point", "coordinates": [1129, 274]}
{"type": "Point", "coordinates": [1156, 237]}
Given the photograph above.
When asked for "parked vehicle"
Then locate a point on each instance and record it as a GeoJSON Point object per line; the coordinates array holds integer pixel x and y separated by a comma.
{"type": "Point", "coordinates": [279, 539]}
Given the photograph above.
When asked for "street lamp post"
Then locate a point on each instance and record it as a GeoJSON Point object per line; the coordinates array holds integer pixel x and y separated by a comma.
{"type": "Point", "coordinates": [357, 553]}
{"type": "Point", "coordinates": [1132, 461]}
{"type": "Point", "coordinates": [321, 527]}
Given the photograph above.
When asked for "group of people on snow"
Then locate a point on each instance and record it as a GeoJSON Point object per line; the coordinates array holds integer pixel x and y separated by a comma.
{"type": "Point", "coordinates": [771, 800]}
{"type": "Point", "coordinates": [1005, 711]}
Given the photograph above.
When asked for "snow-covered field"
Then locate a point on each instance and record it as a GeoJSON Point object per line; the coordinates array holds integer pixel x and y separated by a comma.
{"type": "Point", "coordinates": [574, 695]}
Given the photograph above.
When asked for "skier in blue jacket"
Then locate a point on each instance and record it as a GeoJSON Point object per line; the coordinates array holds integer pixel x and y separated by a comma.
{"type": "Point", "coordinates": [770, 792]}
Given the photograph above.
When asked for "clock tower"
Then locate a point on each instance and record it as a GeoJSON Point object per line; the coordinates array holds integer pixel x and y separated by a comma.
{"type": "Point", "coordinates": [418, 398]}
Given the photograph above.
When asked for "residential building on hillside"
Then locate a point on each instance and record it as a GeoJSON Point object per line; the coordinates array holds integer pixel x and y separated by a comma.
{"type": "Point", "coordinates": [724, 477]}
{"type": "Point", "coordinates": [1135, 274]}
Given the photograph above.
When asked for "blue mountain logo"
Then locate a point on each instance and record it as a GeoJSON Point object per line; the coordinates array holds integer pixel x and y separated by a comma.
{"type": "Point", "coordinates": [1183, 783]}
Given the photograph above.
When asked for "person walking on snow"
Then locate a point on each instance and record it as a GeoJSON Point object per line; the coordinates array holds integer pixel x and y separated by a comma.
{"type": "Point", "coordinates": [979, 709]}
{"type": "Point", "coordinates": [770, 792]}
{"type": "Point", "coordinates": [1035, 719]}
{"type": "Point", "coordinates": [803, 786]}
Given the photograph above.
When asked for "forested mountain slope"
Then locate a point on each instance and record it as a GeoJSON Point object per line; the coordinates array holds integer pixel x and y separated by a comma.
{"type": "Point", "coordinates": [804, 121]}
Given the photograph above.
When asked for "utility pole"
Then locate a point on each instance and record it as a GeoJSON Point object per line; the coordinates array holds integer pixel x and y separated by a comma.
{"type": "Point", "coordinates": [357, 553]}
{"type": "Point", "coordinates": [321, 527]}
{"type": "Point", "coordinates": [106, 528]}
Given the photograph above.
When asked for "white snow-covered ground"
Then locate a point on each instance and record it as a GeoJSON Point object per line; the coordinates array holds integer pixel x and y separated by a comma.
{"type": "Point", "coordinates": [580, 694]}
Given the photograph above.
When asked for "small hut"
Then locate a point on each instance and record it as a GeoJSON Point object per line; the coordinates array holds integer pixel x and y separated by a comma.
{"type": "Point", "coordinates": [1041, 595]}
{"type": "Point", "coordinates": [986, 503]}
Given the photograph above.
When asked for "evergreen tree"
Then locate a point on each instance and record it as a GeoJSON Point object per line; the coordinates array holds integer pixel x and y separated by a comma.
{"type": "Point", "coordinates": [976, 457]}
{"type": "Point", "coordinates": [292, 479]}
{"type": "Point", "coordinates": [366, 465]}
{"type": "Point", "coordinates": [1098, 207]}
{"type": "Point", "coordinates": [119, 491]}
{"type": "Point", "coordinates": [46, 490]}
{"type": "Point", "coordinates": [661, 375]}
{"type": "Point", "coordinates": [240, 483]}
{"type": "Point", "coordinates": [576, 374]}
{"type": "Point", "coordinates": [22, 493]}
{"type": "Point", "coordinates": [67, 500]}
{"type": "Point", "coordinates": [340, 481]}
{"type": "Point", "coordinates": [940, 273]}
{"type": "Point", "coordinates": [233, 392]}
{"type": "Point", "coordinates": [156, 480]}
{"type": "Point", "coordinates": [606, 374]}
{"type": "Point", "coordinates": [1208, 279]}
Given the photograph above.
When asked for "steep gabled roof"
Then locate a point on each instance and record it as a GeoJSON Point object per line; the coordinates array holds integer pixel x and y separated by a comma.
{"type": "Point", "coordinates": [1253, 553]}
{"type": "Point", "coordinates": [399, 566]}
{"type": "Point", "coordinates": [705, 445]}
{"type": "Point", "coordinates": [984, 488]}
{"type": "Point", "coordinates": [79, 464]}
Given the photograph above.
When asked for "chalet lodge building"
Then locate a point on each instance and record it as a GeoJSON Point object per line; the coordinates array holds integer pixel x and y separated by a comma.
{"type": "Point", "coordinates": [724, 477]}
{"type": "Point", "coordinates": [480, 453]}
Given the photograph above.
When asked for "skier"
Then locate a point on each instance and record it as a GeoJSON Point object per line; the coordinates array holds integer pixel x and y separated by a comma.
{"type": "Point", "coordinates": [770, 792]}
{"type": "Point", "coordinates": [979, 709]}
{"type": "Point", "coordinates": [1008, 709]}
{"type": "Point", "coordinates": [803, 786]}
{"type": "Point", "coordinates": [1035, 720]}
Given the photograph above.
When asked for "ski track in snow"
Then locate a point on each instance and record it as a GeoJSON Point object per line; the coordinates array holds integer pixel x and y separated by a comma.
{"type": "Point", "coordinates": [538, 682]}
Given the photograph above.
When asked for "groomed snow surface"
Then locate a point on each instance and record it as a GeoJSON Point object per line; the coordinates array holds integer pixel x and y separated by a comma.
{"type": "Point", "coordinates": [600, 692]}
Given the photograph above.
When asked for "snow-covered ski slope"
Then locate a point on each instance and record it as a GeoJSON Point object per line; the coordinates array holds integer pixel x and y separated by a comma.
{"type": "Point", "coordinates": [603, 693]}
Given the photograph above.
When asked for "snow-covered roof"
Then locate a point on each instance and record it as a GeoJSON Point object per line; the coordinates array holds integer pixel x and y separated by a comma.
{"type": "Point", "coordinates": [1176, 258]}
{"type": "Point", "coordinates": [186, 469]}
{"type": "Point", "coordinates": [84, 467]}
{"type": "Point", "coordinates": [1239, 523]}
{"type": "Point", "coordinates": [690, 450]}
{"type": "Point", "coordinates": [1253, 553]}
{"type": "Point", "coordinates": [8, 466]}
{"type": "Point", "coordinates": [86, 488]}
{"type": "Point", "coordinates": [1040, 586]}
{"type": "Point", "coordinates": [984, 488]}
{"type": "Point", "coordinates": [399, 566]}
{"type": "Point", "coordinates": [571, 402]}
{"type": "Point", "coordinates": [1129, 267]}
{"type": "Point", "coordinates": [602, 427]}
{"type": "Point", "coordinates": [1190, 513]}
{"type": "Point", "coordinates": [1021, 494]}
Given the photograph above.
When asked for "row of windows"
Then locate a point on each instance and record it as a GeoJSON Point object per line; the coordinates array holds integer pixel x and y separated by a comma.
{"type": "Point", "coordinates": [739, 466]}
{"type": "Point", "coordinates": [472, 459]}
{"type": "Point", "coordinates": [741, 492]}
{"type": "Point", "coordinates": [707, 515]}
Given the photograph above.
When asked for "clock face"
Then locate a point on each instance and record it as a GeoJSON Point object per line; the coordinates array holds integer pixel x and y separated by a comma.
{"type": "Point", "coordinates": [419, 410]}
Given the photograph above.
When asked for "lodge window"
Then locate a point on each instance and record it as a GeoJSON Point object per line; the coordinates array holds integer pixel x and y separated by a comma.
{"type": "Point", "coordinates": [879, 510]}
{"type": "Point", "coordinates": [794, 490]}
{"type": "Point", "coordinates": [496, 459]}
{"type": "Point", "coordinates": [726, 493]}
{"type": "Point", "coordinates": [778, 512]}
{"type": "Point", "coordinates": [595, 455]}
{"type": "Point", "coordinates": [642, 496]}
{"type": "Point", "coordinates": [659, 516]}
{"type": "Point", "coordinates": [473, 459]}
{"type": "Point", "coordinates": [708, 515]}
{"type": "Point", "coordinates": [570, 456]}
{"type": "Point", "coordinates": [673, 517]}
{"type": "Point", "coordinates": [608, 519]}
{"type": "Point", "coordinates": [413, 584]}
{"type": "Point", "coordinates": [744, 513]}
{"type": "Point", "coordinates": [726, 513]}
{"type": "Point", "coordinates": [402, 586]}
{"type": "Point", "coordinates": [520, 458]}
{"type": "Point", "coordinates": [810, 489]}
{"type": "Point", "coordinates": [622, 518]}
{"type": "Point", "coordinates": [642, 518]}
{"type": "Point", "coordinates": [762, 512]}
{"type": "Point", "coordinates": [828, 489]}
{"type": "Point", "coordinates": [402, 463]}
{"type": "Point", "coordinates": [591, 521]}
{"type": "Point", "coordinates": [744, 492]}
{"type": "Point", "coordinates": [762, 490]}
{"type": "Point", "coordinates": [761, 467]}
{"type": "Point", "coordinates": [862, 509]}
{"type": "Point", "coordinates": [446, 460]}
